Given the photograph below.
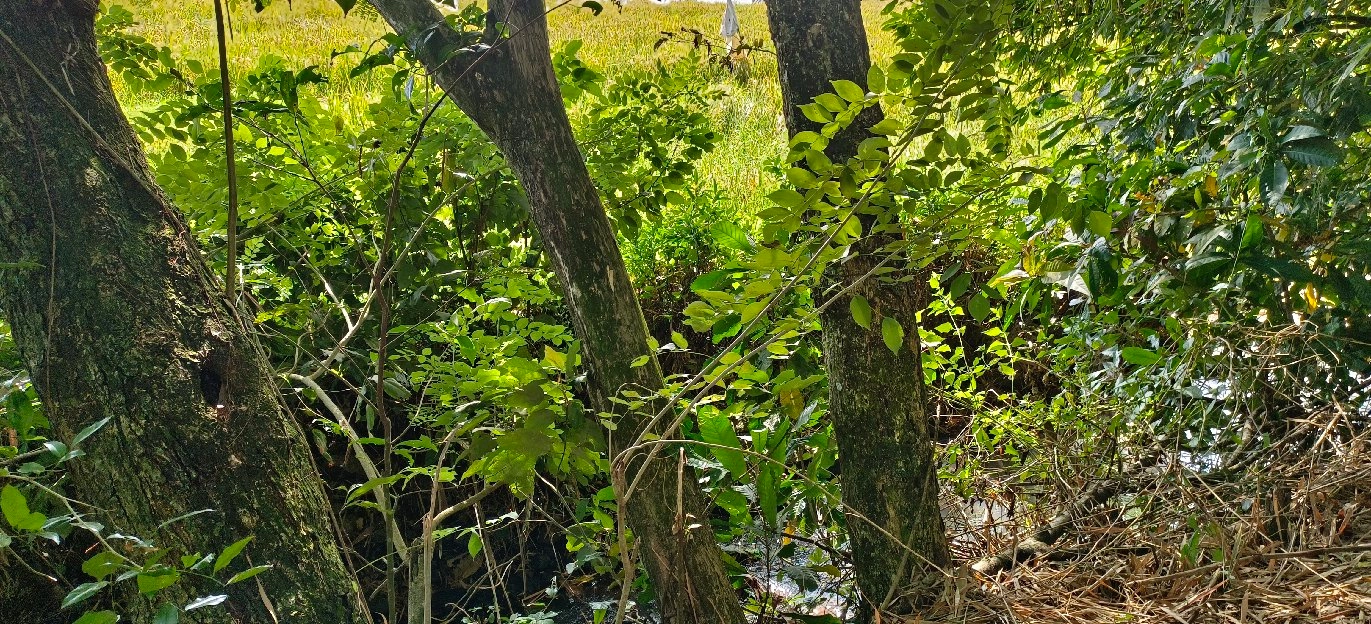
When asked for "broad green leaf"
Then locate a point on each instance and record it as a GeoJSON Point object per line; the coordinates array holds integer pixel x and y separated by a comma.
{"type": "Point", "coordinates": [1299, 133]}
{"type": "Point", "coordinates": [801, 177]}
{"type": "Point", "coordinates": [1139, 356]}
{"type": "Point", "coordinates": [959, 285]}
{"type": "Point", "coordinates": [345, 5]}
{"type": "Point", "coordinates": [887, 127]}
{"type": "Point", "coordinates": [849, 90]}
{"type": "Point", "coordinates": [206, 601]}
{"type": "Point", "coordinates": [353, 495]}
{"type": "Point", "coordinates": [717, 428]}
{"type": "Point", "coordinates": [1101, 277]}
{"type": "Point", "coordinates": [168, 614]}
{"type": "Point", "coordinates": [978, 307]}
{"type": "Point", "coordinates": [247, 574]}
{"type": "Point", "coordinates": [875, 78]}
{"type": "Point", "coordinates": [708, 281]}
{"type": "Point", "coordinates": [530, 395]}
{"type": "Point", "coordinates": [1251, 232]}
{"type": "Point", "coordinates": [1274, 180]}
{"type": "Point", "coordinates": [816, 113]}
{"type": "Point", "coordinates": [732, 236]}
{"type": "Point", "coordinates": [227, 556]}
{"type": "Point", "coordinates": [1315, 152]}
{"type": "Point", "coordinates": [639, 361]}
{"type": "Point", "coordinates": [861, 310]}
{"type": "Point", "coordinates": [771, 258]}
{"type": "Point", "coordinates": [474, 544]}
{"type": "Point", "coordinates": [786, 198]}
{"type": "Point", "coordinates": [1099, 223]}
{"type": "Point", "coordinates": [727, 326]}
{"type": "Point", "coordinates": [892, 333]}
{"type": "Point", "coordinates": [556, 359]}
{"type": "Point", "coordinates": [98, 617]}
{"type": "Point", "coordinates": [679, 340]}
{"type": "Point", "coordinates": [82, 592]}
{"type": "Point", "coordinates": [157, 580]}
{"type": "Point", "coordinates": [101, 565]}
{"type": "Point", "coordinates": [16, 510]}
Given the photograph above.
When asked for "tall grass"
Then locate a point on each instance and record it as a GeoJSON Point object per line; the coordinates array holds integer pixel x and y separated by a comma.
{"type": "Point", "coordinates": [308, 32]}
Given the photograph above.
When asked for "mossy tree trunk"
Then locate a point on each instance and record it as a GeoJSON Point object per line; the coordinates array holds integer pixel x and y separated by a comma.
{"type": "Point", "coordinates": [510, 91]}
{"type": "Point", "coordinates": [877, 401]}
{"type": "Point", "coordinates": [116, 316]}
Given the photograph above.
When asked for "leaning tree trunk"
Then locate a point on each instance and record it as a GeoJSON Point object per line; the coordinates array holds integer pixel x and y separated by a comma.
{"type": "Point", "coordinates": [877, 402]}
{"type": "Point", "coordinates": [511, 92]}
{"type": "Point", "coordinates": [116, 316]}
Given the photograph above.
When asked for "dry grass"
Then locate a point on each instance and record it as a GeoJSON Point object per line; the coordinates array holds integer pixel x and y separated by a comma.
{"type": "Point", "coordinates": [1286, 540]}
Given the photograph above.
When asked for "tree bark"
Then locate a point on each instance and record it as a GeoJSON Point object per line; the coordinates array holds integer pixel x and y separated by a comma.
{"type": "Point", "coordinates": [116, 316]}
{"type": "Point", "coordinates": [877, 402]}
{"type": "Point", "coordinates": [510, 91]}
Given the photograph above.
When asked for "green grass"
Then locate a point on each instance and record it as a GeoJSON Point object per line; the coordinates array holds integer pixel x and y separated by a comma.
{"type": "Point", "coordinates": [306, 32]}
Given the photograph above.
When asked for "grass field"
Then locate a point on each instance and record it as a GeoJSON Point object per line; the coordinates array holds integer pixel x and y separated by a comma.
{"type": "Point", "coordinates": [306, 32]}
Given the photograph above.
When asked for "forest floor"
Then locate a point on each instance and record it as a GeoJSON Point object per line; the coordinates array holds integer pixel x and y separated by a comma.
{"type": "Point", "coordinates": [1287, 539]}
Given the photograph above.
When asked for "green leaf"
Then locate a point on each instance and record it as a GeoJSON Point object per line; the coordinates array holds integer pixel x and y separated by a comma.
{"type": "Point", "coordinates": [556, 359]}
{"type": "Point", "coordinates": [887, 127]}
{"type": "Point", "coordinates": [639, 361]}
{"type": "Point", "coordinates": [89, 430]}
{"type": "Point", "coordinates": [849, 90]}
{"type": "Point", "coordinates": [1274, 180]}
{"type": "Point", "coordinates": [530, 395]}
{"type": "Point", "coordinates": [247, 574]}
{"type": "Point", "coordinates": [892, 333]}
{"type": "Point", "coordinates": [227, 556]}
{"type": "Point", "coordinates": [101, 565]}
{"type": "Point", "coordinates": [679, 340]}
{"type": "Point", "coordinates": [98, 617]}
{"type": "Point", "coordinates": [1315, 152]}
{"type": "Point", "coordinates": [816, 113]}
{"type": "Point", "coordinates": [1102, 279]}
{"type": "Point", "coordinates": [353, 495]}
{"type": "Point", "coordinates": [708, 281]}
{"type": "Point", "coordinates": [168, 614]}
{"type": "Point", "coordinates": [861, 310]}
{"type": "Point", "coordinates": [1139, 356]}
{"type": "Point", "coordinates": [732, 236]}
{"type": "Point", "coordinates": [1099, 223]}
{"type": "Point", "coordinates": [206, 601]}
{"type": "Point", "coordinates": [474, 544]}
{"type": "Point", "coordinates": [786, 198]}
{"type": "Point", "coordinates": [771, 258]}
{"type": "Point", "coordinates": [16, 510]}
{"type": "Point", "coordinates": [157, 580]}
{"type": "Point", "coordinates": [978, 307]}
{"type": "Point", "coordinates": [1251, 232]}
{"type": "Point", "coordinates": [345, 5]}
{"type": "Point", "coordinates": [717, 428]}
{"type": "Point", "coordinates": [727, 326]}
{"type": "Point", "coordinates": [959, 285]}
{"type": "Point", "coordinates": [82, 592]}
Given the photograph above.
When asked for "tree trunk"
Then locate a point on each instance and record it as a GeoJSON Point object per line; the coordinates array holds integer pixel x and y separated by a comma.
{"type": "Point", "coordinates": [877, 401]}
{"type": "Point", "coordinates": [116, 316]}
{"type": "Point", "coordinates": [511, 92]}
